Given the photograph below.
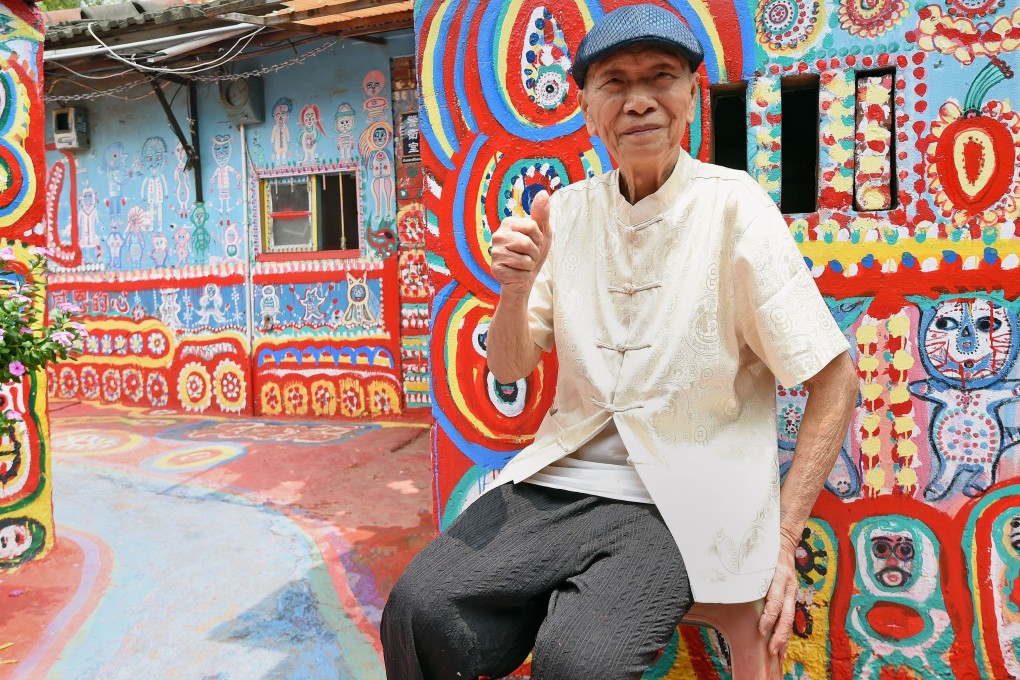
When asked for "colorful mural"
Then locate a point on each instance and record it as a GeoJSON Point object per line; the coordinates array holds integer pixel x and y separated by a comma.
{"type": "Point", "coordinates": [909, 567]}
{"type": "Point", "coordinates": [188, 305]}
{"type": "Point", "coordinates": [26, 507]}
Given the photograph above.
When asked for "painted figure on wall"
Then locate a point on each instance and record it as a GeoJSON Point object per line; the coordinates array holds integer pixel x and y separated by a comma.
{"type": "Point", "coordinates": [182, 244]}
{"type": "Point", "coordinates": [182, 181]}
{"type": "Point", "coordinates": [280, 136]}
{"type": "Point", "coordinates": [225, 177]}
{"type": "Point", "coordinates": [358, 313]}
{"type": "Point", "coordinates": [118, 172]}
{"type": "Point", "coordinates": [210, 304]}
{"type": "Point", "coordinates": [375, 104]}
{"type": "Point", "coordinates": [311, 130]}
{"type": "Point", "coordinates": [134, 235]}
{"type": "Point", "coordinates": [154, 186]}
{"type": "Point", "coordinates": [269, 307]}
{"type": "Point", "coordinates": [374, 146]}
{"type": "Point", "coordinates": [897, 615]}
{"type": "Point", "coordinates": [200, 238]}
{"type": "Point", "coordinates": [88, 222]}
{"type": "Point", "coordinates": [160, 245]}
{"type": "Point", "coordinates": [968, 346]}
{"type": "Point", "coordinates": [344, 122]}
{"type": "Point", "coordinates": [114, 243]}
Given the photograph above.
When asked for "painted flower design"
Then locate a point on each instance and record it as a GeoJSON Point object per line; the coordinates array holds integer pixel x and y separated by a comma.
{"type": "Point", "coordinates": [230, 386]}
{"type": "Point", "coordinates": [295, 399]}
{"type": "Point", "coordinates": [786, 26]}
{"type": "Point", "coordinates": [352, 398]}
{"type": "Point", "coordinates": [120, 345]}
{"type": "Point", "coordinates": [157, 344]}
{"type": "Point", "coordinates": [68, 383]}
{"type": "Point", "coordinates": [106, 344]}
{"type": "Point", "coordinates": [194, 387]}
{"type": "Point", "coordinates": [92, 344]}
{"type": "Point", "coordinates": [156, 389]}
{"type": "Point", "coordinates": [323, 398]}
{"type": "Point", "coordinates": [271, 399]}
{"type": "Point", "coordinates": [136, 343]}
{"type": "Point", "coordinates": [89, 383]}
{"type": "Point", "coordinates": [870, 19]}
{"type": "Point", "coordinates": [111, 385]}
{"type": "Point", "coordinates": [131, 383]}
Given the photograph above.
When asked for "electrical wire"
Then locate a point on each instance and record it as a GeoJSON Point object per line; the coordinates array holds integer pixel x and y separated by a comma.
{"type": "Point", "coordinates": [83, 75]}
{"type": "Point", "coordinates": [227, 56]}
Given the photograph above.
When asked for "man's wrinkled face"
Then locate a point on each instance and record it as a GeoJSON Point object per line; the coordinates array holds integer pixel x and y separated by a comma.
{"type": "Point", "coordinates": [639, 102]}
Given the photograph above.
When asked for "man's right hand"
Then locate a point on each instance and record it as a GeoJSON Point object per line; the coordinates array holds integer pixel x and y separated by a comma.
{"type": "Point", "coordinates": [520, 246]}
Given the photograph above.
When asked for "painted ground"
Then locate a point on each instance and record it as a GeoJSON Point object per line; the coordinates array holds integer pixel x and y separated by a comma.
{"type": "Point", "coordinates": [219, 548]}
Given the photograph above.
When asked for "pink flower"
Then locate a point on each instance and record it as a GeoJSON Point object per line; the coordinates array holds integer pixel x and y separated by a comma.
{"type": "Point", "coordinates": [17, 368]}
{"type": "Point", "coordinates": [36, 250]}
{"type": "Point", "coordinates": [13, 416]}
{"type": "Point", "coordinates": [62, 338]}
{"type": "Point", "coordinates": [2, 333]}
{"type": "Point", "coordinates": [8, 253]}
{"type": "Point", "coordinates": [78, 326]}
{"type": "Point", "coordinates": [69, 308]}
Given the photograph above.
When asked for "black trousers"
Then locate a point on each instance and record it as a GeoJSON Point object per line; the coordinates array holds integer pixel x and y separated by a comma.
{"type": "Point", "coordinates": [595, 586]}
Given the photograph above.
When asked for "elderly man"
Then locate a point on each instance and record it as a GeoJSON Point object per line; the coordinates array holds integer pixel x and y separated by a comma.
{"type": "Point", "coordinates": [675, 297]}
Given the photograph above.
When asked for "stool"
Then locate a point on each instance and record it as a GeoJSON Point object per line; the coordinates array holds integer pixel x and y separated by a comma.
{"type": "Point", "coordinates": [738, 624]}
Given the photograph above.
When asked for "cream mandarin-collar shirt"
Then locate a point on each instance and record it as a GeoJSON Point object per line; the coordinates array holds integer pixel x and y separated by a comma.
{"type": "Point", "coordinates": [672, 318]}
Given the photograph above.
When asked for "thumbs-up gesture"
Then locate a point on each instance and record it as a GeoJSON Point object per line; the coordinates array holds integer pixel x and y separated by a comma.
{"type": "Point", "coordinates": [520, 246]}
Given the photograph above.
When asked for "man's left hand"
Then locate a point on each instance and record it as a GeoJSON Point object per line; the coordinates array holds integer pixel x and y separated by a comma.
{"type": "Point", "coordinates": [777, 620]}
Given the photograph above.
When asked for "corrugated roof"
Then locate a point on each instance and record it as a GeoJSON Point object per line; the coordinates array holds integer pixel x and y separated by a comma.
{"type": "Point", "coordinates": [344, 17]}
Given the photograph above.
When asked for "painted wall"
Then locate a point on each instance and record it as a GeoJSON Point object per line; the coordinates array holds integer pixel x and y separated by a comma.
{"type": "Point", "coordinates": [178, 318]}
{"type": "Point", "coordinates": [910, 567]}
{"type": "Point", "coordinates": [26, 506]}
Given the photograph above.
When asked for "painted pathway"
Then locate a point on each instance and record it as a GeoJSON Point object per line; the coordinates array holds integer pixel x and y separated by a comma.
{"type": "Point", "coordinates": [197, 547]}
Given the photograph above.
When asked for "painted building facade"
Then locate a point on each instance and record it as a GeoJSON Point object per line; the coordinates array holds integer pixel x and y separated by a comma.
{"type": "Point", "coordinates": [26, 507]}
{"type": "Point", "coordinates": [906, 112]}
{"type": "Point", "coordinates": [281, 273]}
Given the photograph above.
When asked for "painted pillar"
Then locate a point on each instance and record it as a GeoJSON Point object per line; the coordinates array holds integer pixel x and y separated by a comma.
{"type": "Point", "coordinates": [26, 507]}
{"type": "Point", "coordinates": [910, 565]}
{"type": "Point", "coordinates": [415, 282]}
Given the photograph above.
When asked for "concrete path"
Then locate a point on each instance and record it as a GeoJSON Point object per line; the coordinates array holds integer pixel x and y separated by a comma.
{"type": "Point", "coordinates": [219, 548]}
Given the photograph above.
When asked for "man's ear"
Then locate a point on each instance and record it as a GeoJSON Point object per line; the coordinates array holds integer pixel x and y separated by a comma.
{"type": "Point", "coordinates": [582, 103]}
{"type": "Point", "coordinates": [695, 93]}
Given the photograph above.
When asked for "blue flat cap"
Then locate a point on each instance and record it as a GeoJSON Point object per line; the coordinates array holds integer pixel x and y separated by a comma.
{"type": "Point", "coordinates": [636, 25]}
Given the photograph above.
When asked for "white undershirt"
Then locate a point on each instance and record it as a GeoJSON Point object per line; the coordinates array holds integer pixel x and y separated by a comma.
{"type": "Point", "coordinates": [599, 468]}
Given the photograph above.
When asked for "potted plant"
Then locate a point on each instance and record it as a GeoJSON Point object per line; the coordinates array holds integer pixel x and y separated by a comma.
{"type": "Point", "coordinates": [29, 338]}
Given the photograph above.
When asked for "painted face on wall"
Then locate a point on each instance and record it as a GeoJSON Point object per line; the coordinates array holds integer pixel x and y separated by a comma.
{"type": "Point", "coordinates": [373, 83]}
{"type": "Point", "coordinates": [969, 341]}
{"type": "Point", "coordinates": [87, 197]}
{"type": "Point", "coordinates": [1013, 534]}
{"type": "Point", "coordinates": [380, 136]}
{"type": "Point", "coordinates": [115, 158]}
{"type": "Point", "coordinates": [221, 150]}
{"type": "Point", "coordinates": [280, 113]}
{"type": "Point", "coordinates": [14, 541]}
{"type": "Point", "coordinates": [344, 124]}
{"type": "Point", "coordinates": [309, 119]}
{"type": "Point", "coordinates": [154, 155]}
{"type": "Point", "coordinates": [179, 153]}
{"type": "Point", "coordinates": [892, 558]}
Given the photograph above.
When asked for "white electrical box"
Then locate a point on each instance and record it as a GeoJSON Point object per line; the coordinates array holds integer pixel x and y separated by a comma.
{"type": "Point", "coordinates": [71, 129]}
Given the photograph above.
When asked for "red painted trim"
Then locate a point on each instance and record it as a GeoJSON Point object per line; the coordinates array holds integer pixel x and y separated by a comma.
{"type": "Point", "coordinates": [309, 255]}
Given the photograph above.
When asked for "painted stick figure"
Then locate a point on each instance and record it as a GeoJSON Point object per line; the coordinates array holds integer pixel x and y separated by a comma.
{"type": "Point", "coordinates": [280, 136]}
{"type": "Point", "coordinates": [344, 121]}
{"type": "Point", "coordinates": [154, 186]}
{"type": "Point", "coordinates": [225, 176]}
{"type": "Point", "coordinates": [311, 130]}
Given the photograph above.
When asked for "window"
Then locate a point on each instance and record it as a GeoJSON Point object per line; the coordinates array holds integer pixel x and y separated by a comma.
{"type": "Point", "coordinates": [729, 125]}
{"type": "Point", "coordinates": [799, 151]}
{"type": "Point", "coordinates": [309, 213]}
{"type": "Point", "coordinates": [875, 142]}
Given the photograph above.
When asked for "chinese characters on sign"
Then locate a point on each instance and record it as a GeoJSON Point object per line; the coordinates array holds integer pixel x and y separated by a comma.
{"type": "Point", "coordinates": [410, 146]}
